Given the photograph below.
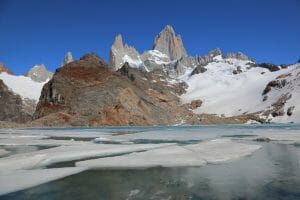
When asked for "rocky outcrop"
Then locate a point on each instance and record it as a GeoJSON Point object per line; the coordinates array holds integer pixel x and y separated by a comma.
{"type": "Point", "coordinates": [215, 52]}
{"type": "Point", "coordinates": [195, 104]}
{"type": "Point", "coordinates": [239, 56]}
{"type": "Point", "coordinates": [169, 43]}
{"type": "Point", "coordinates": [4, 69]}
{"type": "Point", "coordinates": [88, 92]}
{"type": "Point", "coordinates": [269, 66]}
{"type": "Point", "coordinates": [68, 58]}
{"type": "Point", "coordinates": [274, 84]}
{"type": "Point", "coordinates": [39, 73]}
{"type": "Point", "coordinates": [238, 70]}
{"type": "Point", "coordinates": [12, 106]}
{"type": "Point", "coordinates": [199, 69]}
{"type": "Point", "coordinates": [120, 53]}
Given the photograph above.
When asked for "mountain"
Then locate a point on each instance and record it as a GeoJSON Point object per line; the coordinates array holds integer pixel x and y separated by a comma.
{"type": "Point", "coordinates": [120, 54]}
{"type": "Point", "coordinates": [39, 73]}
{"type": "Point", "coordinates": [167, 42]}
{"type": "Point", "coordinates": [12, 106]}
{"type": "Point", "coordinates": [161, 86]}
{"type": "Point", "coordinates": [235, 85]}
{"type": "Point", "coordinates": [4, 69]}
{"type": "Point", "coordinates": [168, 52]}
{"type": "Point", "coordinates": [89, 92]}
{"type": "Point", "coordinates": [19, 95]}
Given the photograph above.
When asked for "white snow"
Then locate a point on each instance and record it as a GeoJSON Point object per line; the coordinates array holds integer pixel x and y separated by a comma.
{"type": "Point", "coordinates": [157, 57]}
{"type": "Point", "coordinates": [136, 63]}
{"type": "Point", "coordinates": [24, 86]}
{"type": "Point", "coordinates": [224, 93]}
{"type": "Point", "coordinates": [157, 53]}
{"type": "Point", "coordinates": [12, 181]}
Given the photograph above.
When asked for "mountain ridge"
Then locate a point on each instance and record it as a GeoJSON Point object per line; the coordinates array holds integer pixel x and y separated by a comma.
{"type": "Point", "coordinates": [163, 86]}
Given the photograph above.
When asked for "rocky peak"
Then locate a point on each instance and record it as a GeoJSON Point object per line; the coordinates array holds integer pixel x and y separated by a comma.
{"type": "Point", "coordinates": [118, 43]}
{"type": "Point", "coordinates": [238, 55]}
{"type": "Point", "coordinates": [120, 54]}
{"type": "Point", "coordinates": [39, 73]}
{"type": "Point", "coordinates": [4, 69]}
{"type": "Point", "coordinates": [68, 58]}
{"type": "Point", "coordinates": [215, 52]}
{"type": "Point", "coordinates": [169, 43]}
{"type": "Point", "coordinates": [93, 58]}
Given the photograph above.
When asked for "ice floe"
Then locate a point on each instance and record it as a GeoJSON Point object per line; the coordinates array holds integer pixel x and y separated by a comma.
{"type": "Point", "coordinates": [3, 152]}
{"type": "Point", "coordinates": [15, 180]}
{"type": "Point", "coordinates": [215, 151]}
{"type": "Point", "coordinates": [50, 156]}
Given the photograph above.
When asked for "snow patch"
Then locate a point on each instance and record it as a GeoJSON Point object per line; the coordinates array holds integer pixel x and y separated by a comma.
{"type": "Point", "coordinates": [23, 86]}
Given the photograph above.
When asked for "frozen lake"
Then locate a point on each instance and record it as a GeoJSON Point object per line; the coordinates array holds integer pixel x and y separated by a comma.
{"type": "Point", "coordinates": [201, 162]}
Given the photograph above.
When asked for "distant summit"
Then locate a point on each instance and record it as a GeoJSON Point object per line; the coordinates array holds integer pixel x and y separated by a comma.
{"type": "Point", "coordinates": [120, 54]}
{"type": "Point", "coordinates": [39, 73]}
{"type": "Point", "coordinates": [68, 58]}
{"type": "Point", "coordinates": [169, 43]}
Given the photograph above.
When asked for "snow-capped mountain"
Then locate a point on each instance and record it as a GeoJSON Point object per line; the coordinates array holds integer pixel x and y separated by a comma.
{"type": "Point", "coordinates": [227, 85]}
{"type": "Point", "coordinates": [163, 85]}
{"type": "Point", "coordinates": [21, 93]}
{"type": "Point", "coordinates": [120, 54]}
{"type": "Point", "coordinates": [233, 86]}
{"type": "Point", "coordinates": [167, 51]}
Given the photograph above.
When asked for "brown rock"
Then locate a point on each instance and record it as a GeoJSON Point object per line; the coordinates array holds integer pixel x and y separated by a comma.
{"type": "Point", "coordinates": [195, 104]}
{"type": "Point", "coordinates": [4, 69]}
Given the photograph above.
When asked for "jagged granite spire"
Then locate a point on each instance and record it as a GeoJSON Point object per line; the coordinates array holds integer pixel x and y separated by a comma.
{"type": "Point", "coordinates": [169, 43]}
{"type": "Point", "coordinates": [68, 58]}
{"type": "Point", "coordinates": [120, 54]}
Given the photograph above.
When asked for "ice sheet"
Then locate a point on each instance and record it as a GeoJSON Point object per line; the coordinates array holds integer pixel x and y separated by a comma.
{"type": "Point", "coordinates": [215, 151]}
{"type": "Point", "coordinates": [12, 181]}
{"type": "Point", "coordinates": [68, 153]}
{"type": "Point", "coordinates": [3, 152]}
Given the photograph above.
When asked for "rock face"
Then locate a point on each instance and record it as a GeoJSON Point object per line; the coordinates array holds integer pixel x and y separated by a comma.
{"type": "Point", "coordinates": [39, 73]}
{"type": "Point", "coordinates": [120, 53]}
{"type": "Point", "coordinates": [11, 106]}
{"type": "Point", "coordinates": [4, 69]}
{"type": "Point", "coordinates": [88, 92]}
{"type": "Point", "coordinates": [68, 58]}
{"type": "Point", "coordinates": [169, 43]}
{"type": "Point", "coordinates": [282, 94]}
{"type": "Point", "coordinates": [269, 66]}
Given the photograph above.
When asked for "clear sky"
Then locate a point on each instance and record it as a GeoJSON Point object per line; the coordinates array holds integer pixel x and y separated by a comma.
{"type": "Point", "coordinates": [42, 31]}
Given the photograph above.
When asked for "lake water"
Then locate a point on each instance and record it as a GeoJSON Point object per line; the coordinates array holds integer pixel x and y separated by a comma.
{"type": "Point", "coordinates": [272, 172]}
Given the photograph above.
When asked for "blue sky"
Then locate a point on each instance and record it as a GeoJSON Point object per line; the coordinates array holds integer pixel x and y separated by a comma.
{"type": "Point", "coordinates": [42, 31]}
